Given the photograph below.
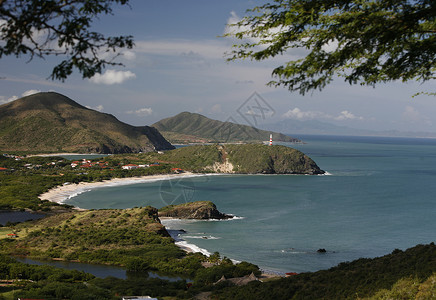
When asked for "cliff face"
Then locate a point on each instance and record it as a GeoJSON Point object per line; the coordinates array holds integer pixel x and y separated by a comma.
{"type": "Point", "coordinates": [201, 210]}
{"type": "Point", "coordinates": [51, 122]}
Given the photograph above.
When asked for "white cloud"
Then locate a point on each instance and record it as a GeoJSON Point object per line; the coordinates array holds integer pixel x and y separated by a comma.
{"type": "Point", "coordinates": [128, 55]}
{"type": "Point", "coordinates": [411, 114]}
{"type": "Point", "coordinates": [346, 115]}
{"type": "Point", "coordinates": [231, 27]}
{"type": "Point", "coordinates": [4, 100]}
{"type": "Point", "coordinates": [30, 92]}
{"type": "Point", "coordinates": [216, 109]}
{"type": "Point", "coordinates": [97, 108]}
{"type": "Point", "coordinates": [146, 111]}
{"type": "Point", "coordinates": [298, 114]}
{"type": "Point", "coordinates": [112, 77]}
{"type": "Point", "coordinates": [178, 47]}
{"type": "Point", "coordinates": [331, 46]}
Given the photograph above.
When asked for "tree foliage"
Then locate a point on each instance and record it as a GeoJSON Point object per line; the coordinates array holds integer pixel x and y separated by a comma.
{"type": "Point", "coordinates": [61, 28]}
{"type": "Point", "coordinates": [364, 41]}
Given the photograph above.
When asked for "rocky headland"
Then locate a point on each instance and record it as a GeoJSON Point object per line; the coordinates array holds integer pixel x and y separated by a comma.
{"type": "Point", "coordinates": [200, 210]}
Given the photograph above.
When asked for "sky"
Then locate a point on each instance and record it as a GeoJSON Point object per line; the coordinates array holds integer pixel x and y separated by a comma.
{"type": "Point", "coordinates": [178, 64]}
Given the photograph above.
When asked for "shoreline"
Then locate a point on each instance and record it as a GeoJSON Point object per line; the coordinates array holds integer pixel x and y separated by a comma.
{"type": "Point", "coordinates": [62, 193]}
{"type": "Point", "coordinates": [175, 231]}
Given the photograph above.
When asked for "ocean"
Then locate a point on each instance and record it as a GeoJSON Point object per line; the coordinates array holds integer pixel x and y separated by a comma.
{"type": "Point", "coordinates": [378, 195]}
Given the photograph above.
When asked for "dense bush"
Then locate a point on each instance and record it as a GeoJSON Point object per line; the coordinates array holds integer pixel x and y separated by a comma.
{"type": "Point", "coordinates": [227, 269]}
{"type": "Point", "coordinates": [360, 278]}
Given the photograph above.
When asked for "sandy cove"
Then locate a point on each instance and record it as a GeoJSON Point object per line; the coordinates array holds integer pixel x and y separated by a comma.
{"type": "Point", "coordinates": [64, 192]}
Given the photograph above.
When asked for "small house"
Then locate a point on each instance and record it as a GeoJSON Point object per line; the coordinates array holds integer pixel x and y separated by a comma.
{"type": "Point", "coordinates": [177, 170]}
{"type": "Point", "coordinates": [129, 167]}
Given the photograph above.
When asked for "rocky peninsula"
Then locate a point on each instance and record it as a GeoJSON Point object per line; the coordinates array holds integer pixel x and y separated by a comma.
{"type": "Point", "coordinates": [199, 210]}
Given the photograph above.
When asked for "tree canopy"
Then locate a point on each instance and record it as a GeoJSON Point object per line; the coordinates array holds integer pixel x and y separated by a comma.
{"type": "Point", "coordinates": [364, 41]}
{"type": "Point", "coordinates": [40, 28]}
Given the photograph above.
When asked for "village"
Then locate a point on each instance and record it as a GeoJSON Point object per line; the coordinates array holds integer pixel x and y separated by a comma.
{"type": "Point", "coordinates": [81, 164]}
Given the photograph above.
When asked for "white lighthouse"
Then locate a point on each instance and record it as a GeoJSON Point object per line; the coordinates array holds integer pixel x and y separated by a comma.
{"type": "Point", "coordinates": [270, 139]}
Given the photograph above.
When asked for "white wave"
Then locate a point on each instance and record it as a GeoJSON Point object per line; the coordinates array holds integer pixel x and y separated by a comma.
{"type": "Point", "coordinates": [293, 251]}
{"type": "Point", "coordinates": [192, 248]}
{"type": "Point", "coordinates": [236, 218]}
{"type": "Point", "coordinates": [75, 194]}
{"type": "Point", "coordinates": [233, 218]}
{"type": "Point", "coordinates": [235, 261]}
{"type": "Point", "coordinates": [327, 174]}
{"type": "Point", "coordinates": [205, 237]}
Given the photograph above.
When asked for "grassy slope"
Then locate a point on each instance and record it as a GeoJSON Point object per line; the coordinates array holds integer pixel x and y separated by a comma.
{"type": "Point", "coordinates": [133, 238]}
{"type": "Point", "coordinates": [191, 127]}
{"type": "Point", "coordinates": [248, 158]}
{"type": "Point", "coordinates": [270, 160]}
{"type": "Point", "coordinates": [50, 122]}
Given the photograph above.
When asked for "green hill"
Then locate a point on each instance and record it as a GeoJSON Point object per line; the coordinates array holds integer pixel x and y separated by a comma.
{"type": "Point", "coordinates": [189, 127]}
{"type": "Point", "coordinates": [51, 122]}
{"type": "Point", "coordinates": [242, 159]}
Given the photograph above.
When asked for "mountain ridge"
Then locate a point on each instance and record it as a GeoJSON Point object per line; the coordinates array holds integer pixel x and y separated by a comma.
{"type": "Point", "coordinates": [187, 127]}
{"type": "Point", "coordinates": [51, 122]}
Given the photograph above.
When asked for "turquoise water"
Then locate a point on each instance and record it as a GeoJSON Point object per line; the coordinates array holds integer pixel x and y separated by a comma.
{"type": "Point", "coordinates": [380, 196]}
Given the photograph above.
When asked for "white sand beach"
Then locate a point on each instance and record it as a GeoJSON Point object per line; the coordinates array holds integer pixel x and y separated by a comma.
{"type": "Point", "coordinates": [64, 192]}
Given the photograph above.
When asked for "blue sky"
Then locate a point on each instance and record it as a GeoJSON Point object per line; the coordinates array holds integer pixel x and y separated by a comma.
{"type": "Point", "coordinates": [178, 65]}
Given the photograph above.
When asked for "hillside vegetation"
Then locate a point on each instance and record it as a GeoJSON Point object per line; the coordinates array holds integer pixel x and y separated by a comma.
{"type": "Point", "coordinates": [243, 159]}
{"type": "Point", "coordinates": [406, 274]}
{"type": "Point", "coordinates": [200, 210]}
{"type": "Point", "coordinates": [270, 160]}
{"type": "Point", "coordinates": [189, 127]}
{"type": "Point", "coordinates": [51, 122]}
{"type": "Point", "coordinates": [25, 179]}
{"type": "Point", "coordinates": [133, 238]}
{"type": "Point", "coordinates": [409, 274]}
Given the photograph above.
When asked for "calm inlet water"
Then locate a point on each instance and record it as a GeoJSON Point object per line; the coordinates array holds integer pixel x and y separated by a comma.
{"type": "Point", "coordinates": [379, 196]}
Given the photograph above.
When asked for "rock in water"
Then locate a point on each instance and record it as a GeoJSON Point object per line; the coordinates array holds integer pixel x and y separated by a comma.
{"type": "Point", "coordinates": [200, 210]}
